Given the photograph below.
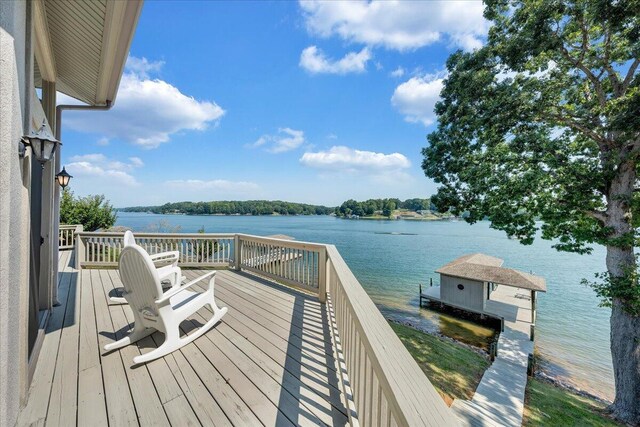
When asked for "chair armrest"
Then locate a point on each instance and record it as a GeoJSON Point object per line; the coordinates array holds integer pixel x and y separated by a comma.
{"type": "Point", "coordinates": [170, 257]}
{"type": "Point", "coordinates": [174, 291]}
{"type": "Point", "coordinates": [168, 254]}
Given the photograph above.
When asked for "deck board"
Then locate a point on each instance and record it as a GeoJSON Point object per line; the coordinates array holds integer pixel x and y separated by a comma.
{"type": "Point", "coordinates": [269, 362]}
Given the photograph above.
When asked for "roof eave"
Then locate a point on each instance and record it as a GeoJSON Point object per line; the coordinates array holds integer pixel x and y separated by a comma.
{"type": "Point", "coordinates": [120, 24]}
{"type": "Point", "coordinates": [43, 48]}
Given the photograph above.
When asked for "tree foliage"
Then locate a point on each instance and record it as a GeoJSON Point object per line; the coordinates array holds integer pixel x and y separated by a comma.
{"type": "Point", "coordinates": [383, 206]}
{"type": "Point", "coordinates": [93, 212]}
{"type": "Point", "coordinates": [539, 131]}
{"type": "Point", "coordinates": [537, 124]}
{"type": "Point", "coordinates": [249, 207]}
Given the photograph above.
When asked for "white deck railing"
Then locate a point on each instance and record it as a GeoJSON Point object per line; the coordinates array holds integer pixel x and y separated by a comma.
{"type": "Point", "coordinates": [67, 235]}
{"type": "Point", "coordinates": [386, 386]}
{"type": "Point", "coordinates": [102, 249]}
{"type": "Point", "coordinates": [299, 264]}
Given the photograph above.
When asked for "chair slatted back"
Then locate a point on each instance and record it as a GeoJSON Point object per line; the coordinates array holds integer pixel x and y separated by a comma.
{"type": "Point", "coordinates": [140, 279]}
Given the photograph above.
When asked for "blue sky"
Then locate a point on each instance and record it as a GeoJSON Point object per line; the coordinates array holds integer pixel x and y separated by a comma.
{"type": "Point", "coordinates": [308, 102]}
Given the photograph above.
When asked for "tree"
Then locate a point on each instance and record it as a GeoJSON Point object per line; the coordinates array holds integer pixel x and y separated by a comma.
{"type": "Point", "coordinates": [543, 123]}
{"type": "Point", "coordinates": [388, 208]}
{"type": "Point", "coordinates": [93, 212]}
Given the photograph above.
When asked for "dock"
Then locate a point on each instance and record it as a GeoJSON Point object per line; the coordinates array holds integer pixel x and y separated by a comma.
{"type": "Point", "coordinates": [499, 398]}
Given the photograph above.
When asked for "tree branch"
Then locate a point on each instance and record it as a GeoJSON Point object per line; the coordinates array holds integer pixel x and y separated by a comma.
{"type": "Point", "coordinates": [599, 215]}
{"type": "Point", "coordinates": [585, 37]}
{"type": "Point", "coordinates": [630, 74]}
{"type": "Point", "coordinates": [592, 77]}
{"type": "Point", "coordinates": [567, 121]}
{"type": "Point", "coordinates": [611, 74]}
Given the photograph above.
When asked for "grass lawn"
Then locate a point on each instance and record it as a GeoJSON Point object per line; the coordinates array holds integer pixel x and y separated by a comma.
{"type": "Point", "coordinates": [454, 371]}
{"type": "Point", "coordinates": [548, 405]}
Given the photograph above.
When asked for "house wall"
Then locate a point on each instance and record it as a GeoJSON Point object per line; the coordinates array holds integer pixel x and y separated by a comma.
{"type": "Point", "coordinates": [471, 297]}
{"type": "Point", "coordinates": [15, 89]}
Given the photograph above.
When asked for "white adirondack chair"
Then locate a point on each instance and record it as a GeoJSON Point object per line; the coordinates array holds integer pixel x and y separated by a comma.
{"type": "Point", "coordinates": [168, 271]}
{"type": "Point", "coordinates": [158, 310]}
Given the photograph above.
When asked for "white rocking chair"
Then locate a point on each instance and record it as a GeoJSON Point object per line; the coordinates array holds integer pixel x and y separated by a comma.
{"type": "Point", "coordinates": [157, 310]}
{"type": "Point", "coordinates": [168, 270]}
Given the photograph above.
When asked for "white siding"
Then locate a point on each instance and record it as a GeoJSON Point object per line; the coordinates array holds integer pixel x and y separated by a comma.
{"type": "Point", "coordinates": [471, 297]}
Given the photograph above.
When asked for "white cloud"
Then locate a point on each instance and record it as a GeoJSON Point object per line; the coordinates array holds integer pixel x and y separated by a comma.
{"type": "Point", "coordinates": [341, 158]}
{"type": "Point", "coordinates": [102, 141]}
{"type": "Point", "coordinates": [142, 67]}
{"type": "Point", "coordinates": [417, 97]}
{"type": "Point", "coordinates": [91, 166]}
{"type": "Point", "coordinates": [286, 139]}
{"type": "Point", "coordinates": [398, 25]}
{"type": "Point", "coordinates": [147, 111]}
{"type": "Point", "coordinates": [398, 72]}
{"type": "Point", "coordinates": [214, 185]}
{"type": "Point", "coordinates": [136, 161]}
{"type": "Point", "coordinates": [93, 158]}
{"type": "Point", "coordinates": [314, 60]}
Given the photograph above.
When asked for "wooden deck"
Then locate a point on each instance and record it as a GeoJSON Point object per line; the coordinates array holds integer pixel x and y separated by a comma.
{"type": "Point", "coordinates": [269, 362]}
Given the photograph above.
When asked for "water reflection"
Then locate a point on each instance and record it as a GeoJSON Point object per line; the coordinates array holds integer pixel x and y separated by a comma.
{"type": "Point", "coordinates": [451, 323]}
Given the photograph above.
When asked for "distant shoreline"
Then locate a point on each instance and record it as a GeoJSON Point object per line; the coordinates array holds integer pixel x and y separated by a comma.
{"type": "Point", "coordinates": [215, 214]}
{"type": "Point", "coordinates": [369, 218]}
{"type": "Point", "coordinates": [366, 218]}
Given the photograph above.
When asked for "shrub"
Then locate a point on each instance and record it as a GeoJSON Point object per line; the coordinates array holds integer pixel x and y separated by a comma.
{"type": "Point", "coordinates": [93, 212]}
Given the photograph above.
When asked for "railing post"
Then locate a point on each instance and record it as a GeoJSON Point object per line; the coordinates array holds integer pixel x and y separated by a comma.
{"type": "Point", "coordinates": [532, 332]}
{"type": "Point", "coordinates": [79, 251]}
{"type": "Point", "coordinates": [322, 275]}
{"type": "Point", "coordinates": [533, 306]}
{"type": "Point", "coordinates": [236, 252]}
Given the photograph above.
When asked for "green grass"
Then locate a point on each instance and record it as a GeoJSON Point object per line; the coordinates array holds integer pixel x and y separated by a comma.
{"type": "Point", "coordinates": [454, 370]}
{"type": "Point", "coordinates": [549, 406]}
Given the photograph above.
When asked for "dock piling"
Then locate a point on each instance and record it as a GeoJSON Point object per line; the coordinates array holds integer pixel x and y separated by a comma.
{"type": "Point", "coordinates": [530, 365]}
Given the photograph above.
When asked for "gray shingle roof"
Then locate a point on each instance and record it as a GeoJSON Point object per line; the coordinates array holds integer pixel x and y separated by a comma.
{"type": "Point", "coordinates": [486, 268]}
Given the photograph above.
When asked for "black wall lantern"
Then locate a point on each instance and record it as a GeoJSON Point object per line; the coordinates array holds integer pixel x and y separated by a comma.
{"type": "Point", "coordinates": [42, 144]}
{"type": "Point", "coordinates": [63, 178]}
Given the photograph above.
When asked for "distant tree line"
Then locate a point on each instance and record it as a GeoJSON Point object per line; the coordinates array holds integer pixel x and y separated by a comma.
{"type": "Point", "coordinates": [249, 207]}
{"type": "Point", "coordinates": [383, 207]}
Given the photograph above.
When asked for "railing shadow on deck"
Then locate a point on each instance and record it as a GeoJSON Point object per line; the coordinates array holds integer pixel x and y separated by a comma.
{"type": "Point", "coordinates": [299, 345]}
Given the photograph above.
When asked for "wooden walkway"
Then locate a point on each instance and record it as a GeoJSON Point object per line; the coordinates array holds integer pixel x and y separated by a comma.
{"type": "Point", "coordinates": [499, 398]}
{"type": "Point", "coordinates": [269, 362]}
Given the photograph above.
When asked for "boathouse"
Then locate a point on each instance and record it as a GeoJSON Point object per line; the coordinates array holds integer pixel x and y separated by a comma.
{"type": "Point", "coordinates": [471, 283]}
{"type": "Point", "coordinates": [478, 283]}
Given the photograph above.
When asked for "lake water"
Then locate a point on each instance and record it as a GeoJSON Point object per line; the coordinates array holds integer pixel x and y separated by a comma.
{"type": "Point", "coordinates": [390, 259]}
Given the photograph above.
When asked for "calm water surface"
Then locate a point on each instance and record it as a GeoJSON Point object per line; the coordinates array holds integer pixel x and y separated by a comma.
{"type": "Point", "coordinates": [390, 259]}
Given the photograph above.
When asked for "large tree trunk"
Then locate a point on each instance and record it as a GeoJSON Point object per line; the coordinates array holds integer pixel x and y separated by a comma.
{"type": "Point", "coordinates": [625, 350]}
{"type": "Point", "coordinates": [625, 327]}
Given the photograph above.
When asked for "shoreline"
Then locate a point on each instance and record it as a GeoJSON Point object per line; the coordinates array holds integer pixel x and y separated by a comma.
{"type": "Point", "coordinates": [539, 373]}
{"type": "Point", "coordinates": [367, 218]}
